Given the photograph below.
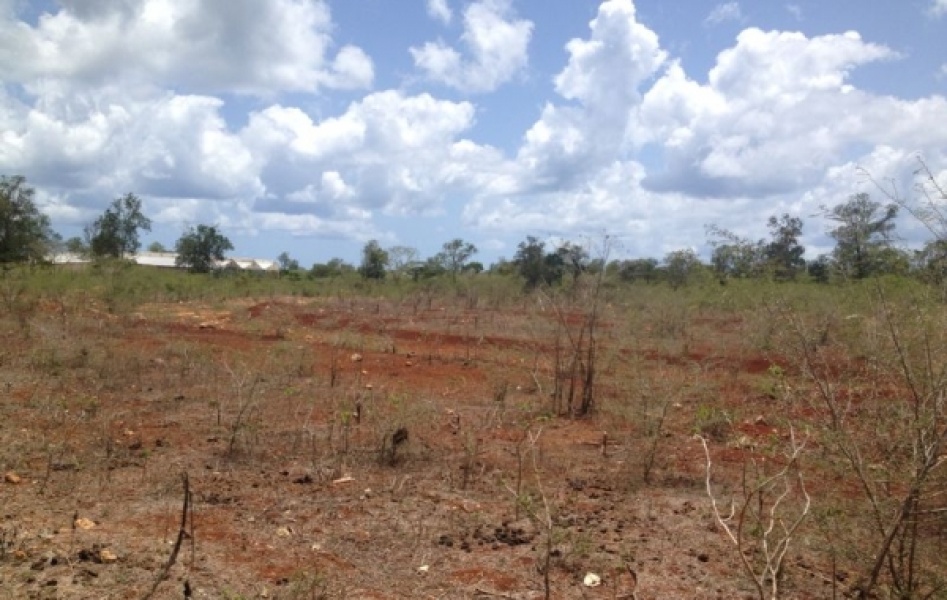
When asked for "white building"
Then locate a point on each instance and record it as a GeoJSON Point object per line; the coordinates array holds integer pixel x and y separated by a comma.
{"type": "Point", "coordinates": [166, 260]}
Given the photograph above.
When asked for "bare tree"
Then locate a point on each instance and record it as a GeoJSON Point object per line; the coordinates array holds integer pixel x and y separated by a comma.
{"type": "Point", "coordinates": [756, 523]}
{"type": "Point", "coordinates": [401, 259]}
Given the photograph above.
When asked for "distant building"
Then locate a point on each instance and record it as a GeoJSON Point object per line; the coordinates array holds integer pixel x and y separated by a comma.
{"type": "Point", "coordinates": [166, 260]}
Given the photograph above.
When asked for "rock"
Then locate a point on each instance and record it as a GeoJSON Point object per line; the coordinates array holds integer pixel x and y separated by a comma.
{"type": "Point", "coordinates": [107, 556]}
{"type": "Point", "coordinates": [591, 580]}
{"type": "Point", "coordinates": [83, 523]}
{"type": "Point", "coordinates": [11, 477]}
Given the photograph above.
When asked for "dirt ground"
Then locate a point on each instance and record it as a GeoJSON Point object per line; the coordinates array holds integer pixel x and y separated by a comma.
{"type": "Point", "coordinates": [353, 448]}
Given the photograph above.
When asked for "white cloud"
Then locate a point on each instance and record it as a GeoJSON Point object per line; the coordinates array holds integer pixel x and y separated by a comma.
{"type": "Point", "coordinates": [573, 173]}
{"type": "Point", "coordinates": [603, 75]}
{"type": "Point", "coordinates": [496, 43]}
{"type": "Point", "coordinates": [208, 47]}
{"type": "Point", "coordinates": [439, 10]}
{"type": "Point", "coordinates": [729, 11]}
{"type": "Point", "coordinates": [777, 125]}
{"type": "Point", "coordinates": [776, 112]}
{"type": "Point", "coordinates": [166, 147]}
{"type": "Point", "coordinates": [387, 152]}
{"type": "Point", "coordinates": [937, 8]}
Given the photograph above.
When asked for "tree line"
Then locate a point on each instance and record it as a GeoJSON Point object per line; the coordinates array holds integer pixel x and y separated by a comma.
{"type": "Point", "coordinates": [863, 231]}
{"type": "Point", "coordinates": [26, 235]}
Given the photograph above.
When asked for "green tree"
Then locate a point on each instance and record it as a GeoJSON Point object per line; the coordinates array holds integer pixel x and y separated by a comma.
{"type": "Point", "coordinates": [784, 254]}
{"type": "Point", "coordinates": [503, 267]}
{"type": "Point", "coordinates": [336, 267]}
{"type": "Point", "coordinates": [820, 269]}
{"type": "Point", "coordinates": [535, 266]}
{"type": "Point", "coordinates": [455, 254]}
{"type": "Point", "coordinates": [374, 261]}
{"type": "Point", "coordinates": [734, 256]}
{"type": "Point", "coordinates": [638, 269]}
{"type": "Point", "coordinates": [432, 267]}
{"type": "Point", "coordinates": [930, 263]}
{"type": "Point", "coordinates": [199, 247]}
{"type": "Point", "coordinates": [892, 261]}
{"type": "Point", "coordinates": [76, 245]}
{"type": "Point", "coordinates": [736, 260]}
{"type": "Point", "coordinates": [474, 267]}
{"type": "Point", "coordinates": [286, 262]}
{"type": "Point", "coordinates": [156, 247]}
{"type": "Point", "coordinates": [575, 259]}
{"type": "Point", "coordinates": [25, 234]}
{"type": "Point", "coordinates": [864, 229]}
{"type": "Point", "coordinates": [115, 233]}
{"type": "Point", "coordinates": [680, 267]}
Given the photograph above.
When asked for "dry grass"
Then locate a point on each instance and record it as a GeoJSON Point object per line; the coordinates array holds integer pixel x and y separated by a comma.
{"type": "Point", "coordinates": [356, 447]}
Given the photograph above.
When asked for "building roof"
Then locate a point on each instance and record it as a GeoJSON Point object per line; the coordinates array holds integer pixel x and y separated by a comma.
{"type": "Point", "coordinates": [168, 260]}
{"type": "Point", "coordinates": [156, 259]}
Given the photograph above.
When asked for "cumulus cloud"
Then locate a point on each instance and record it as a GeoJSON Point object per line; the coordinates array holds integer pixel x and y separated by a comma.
{"type": "Point", "coordinates": [496, 44]}
{"type": "Point", "coordinates": [777, 110]}
{"type": "Point", "coordinates": [439, 10]}
{"type": "Point", "coordinates": [777, 127]}
{"type": "Point", "coordinates": [574, 173]}
{"type": "Point", "coordinates": [99, 99]}
{"type": "Point", "coordinates": [208, 47]}
{"type": "Point", "coordinates": [937, 8]}
{"type": "Point", "coordinates": [388, 152]}
{"type": "Point", "coordinates": [167, 147]}
{"type": "Point", "coordinates": [602, 76]}
{"type": "Point", "coordinates": [728, 11]}
{"type": "Point", "coordinates": [612, 201]}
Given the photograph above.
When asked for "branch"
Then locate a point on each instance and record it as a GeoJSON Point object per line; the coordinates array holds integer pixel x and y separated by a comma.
{"type": "Point", "coordinates": [773, 550]}
{"type": "Point", "coordinates": [182, 533]}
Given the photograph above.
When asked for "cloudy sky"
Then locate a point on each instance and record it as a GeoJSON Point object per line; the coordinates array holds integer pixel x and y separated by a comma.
{"type": "Point", "coordinates": [312, 126]}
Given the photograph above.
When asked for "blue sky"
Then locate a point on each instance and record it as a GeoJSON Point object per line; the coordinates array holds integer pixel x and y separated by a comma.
{"type": "Point", "coordinates": [313, 126]}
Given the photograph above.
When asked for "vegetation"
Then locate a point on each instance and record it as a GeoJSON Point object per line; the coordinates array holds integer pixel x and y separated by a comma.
{"type": "Point", "coordinates": [820, 408]}
{"type": "Point", "coordinates": [374, 261]}
{"type": "Point", "coordinates": [25, 234]}
{"type": "Point", "coordinates": [535, 266]}
{"type": "Point", "coordinates": [454, 256]}
{"type": "Point", "coordinates": [200, 247]}
{"type": "Point", "coordinates": [863, 235]}
{"type": "Point", "coordinates": [115, 233]}
{"type": "Point", "coordinates": [781, 258]}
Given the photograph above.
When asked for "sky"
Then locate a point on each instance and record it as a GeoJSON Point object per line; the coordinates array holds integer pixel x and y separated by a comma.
{"type": "Point", "coordinates": [313, 126]}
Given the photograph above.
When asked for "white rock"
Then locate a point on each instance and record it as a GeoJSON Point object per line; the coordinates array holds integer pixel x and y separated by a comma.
{"type": "Point", "coordinates": [592, 580]}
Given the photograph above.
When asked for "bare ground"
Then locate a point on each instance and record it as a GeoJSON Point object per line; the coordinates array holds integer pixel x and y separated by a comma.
{"type": "Point", "coordinates": [282, 413]}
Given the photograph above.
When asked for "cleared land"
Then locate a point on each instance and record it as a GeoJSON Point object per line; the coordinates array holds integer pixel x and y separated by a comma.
{"type": "Point", "coordinates": [419, 446]}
